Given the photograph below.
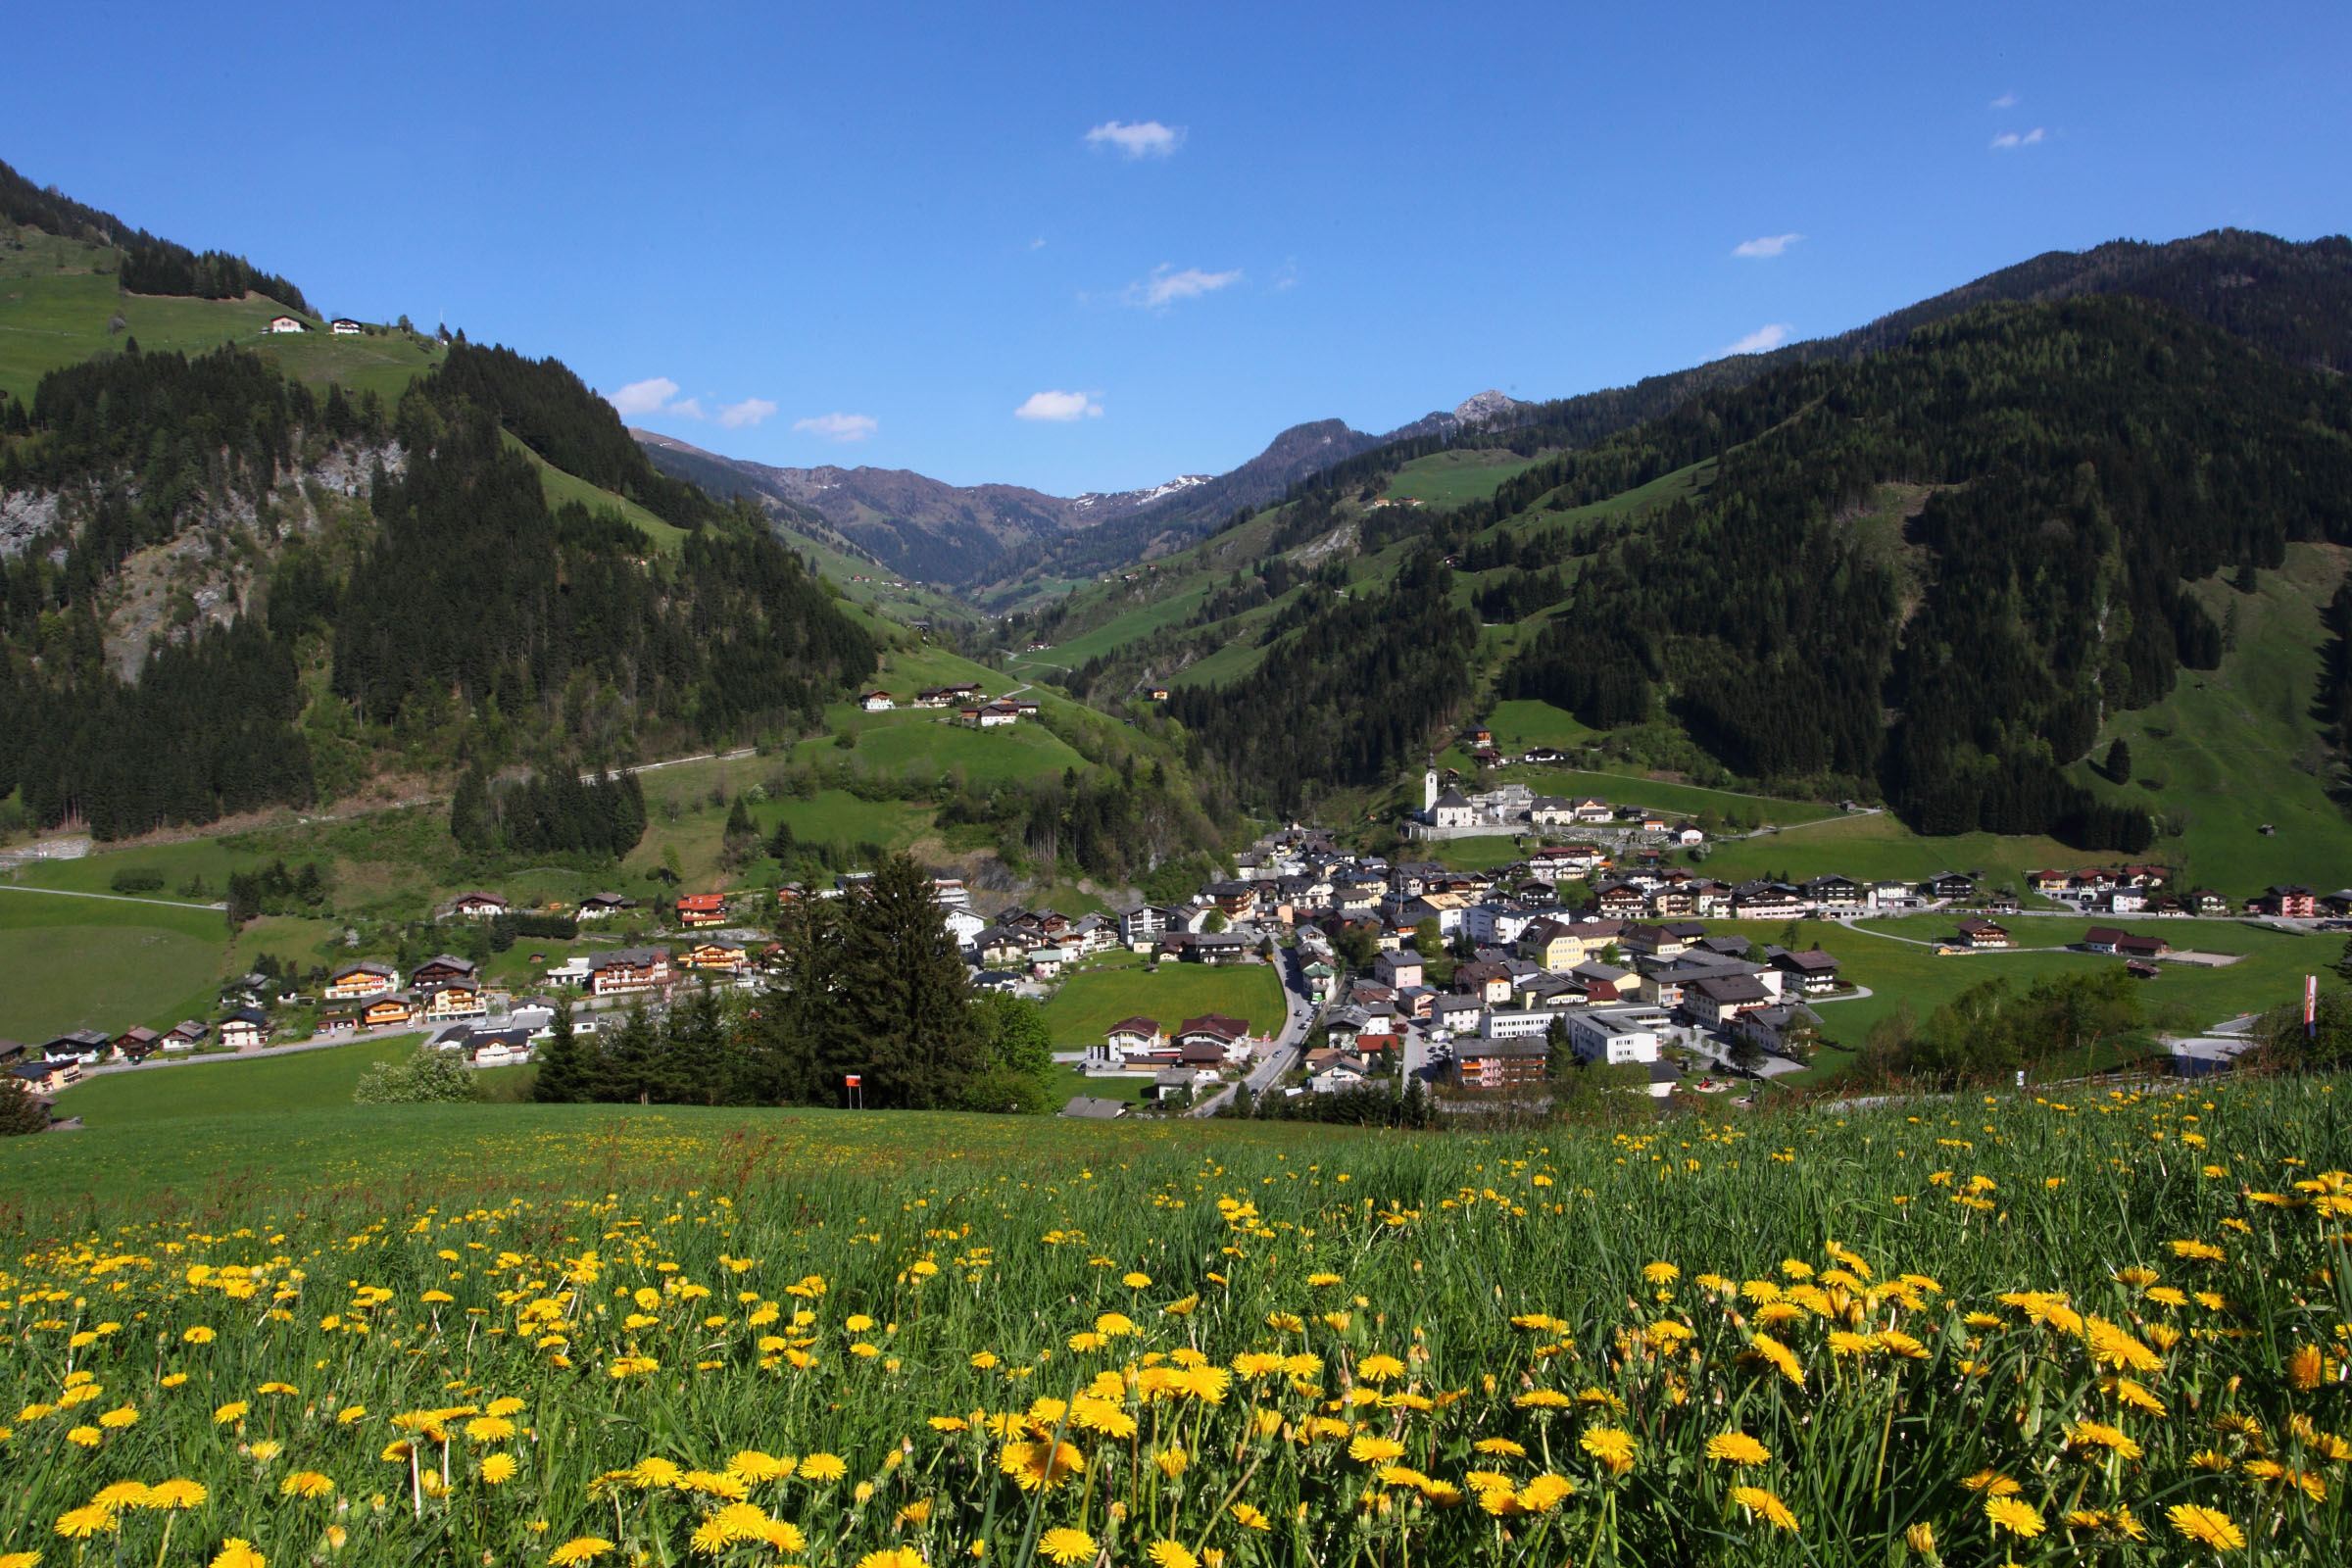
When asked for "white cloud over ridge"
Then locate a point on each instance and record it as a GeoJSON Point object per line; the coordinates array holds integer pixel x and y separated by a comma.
{"type": "Point", "coordinates": [2010, 140]}
{"type": "Point", "coordinates": [1166, 285]}
{"type": "Point", "coordinates": [2007, 100]}
{"type": "Point", "coordinates": [1145, 138]}
{"type": "Point", "coordinates": [643, 397]}
{"type": "Point", "coordinates": [1060, 407]}
{"type": "Point", "coordinates": [751, 410]}
{"type": "Point", "coordinates": [1761, 339]}
{"type": "Point", "coordinates": [1766, 245]}
{"type": "Point", "coordinates": [838, 426]}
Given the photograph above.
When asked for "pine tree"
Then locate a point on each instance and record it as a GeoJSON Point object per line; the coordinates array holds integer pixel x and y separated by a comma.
{"type": "Point", "coordinates": [904, 992]}
{"type": "Point", "coordinates": [2119, 761]}
{"type": "Point", "coordinates": [21, 1110]}
{"type": "Point", "coordinates": [628, 1069]}
{"type": "Point", "coordinates": [561, 1075]}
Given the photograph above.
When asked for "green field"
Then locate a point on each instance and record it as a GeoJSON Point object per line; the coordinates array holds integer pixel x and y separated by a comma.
{"type": "Point", "coordinates": [98, 963]}
{"type": "Point", "coordinates": [2236, 748]}
{"type": "Point", "coordinates": [947, 1264]}
{"type": "Point", "coordinates": [1449, 478]}
{"type": "Point", "coordinates": [1091, 1001]}
{"type": "Point", "coordinates": [56, 311]}
{"type": "Point", "coordinates": [302, 1083]}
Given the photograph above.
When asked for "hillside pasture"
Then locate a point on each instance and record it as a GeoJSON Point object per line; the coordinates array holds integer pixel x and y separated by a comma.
{"type": "Point", "coordinates": [103, 964]}
{"type": "Point", "coordinates": [299, 1084]}
{"type": "Point", "coordinates": [1091, 1001]}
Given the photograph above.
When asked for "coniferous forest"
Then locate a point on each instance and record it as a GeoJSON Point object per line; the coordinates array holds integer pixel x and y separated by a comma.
{"type": "Point", "coordinates": [469, 607]}
{"type": "Point", "coordinates": [1930, 572]}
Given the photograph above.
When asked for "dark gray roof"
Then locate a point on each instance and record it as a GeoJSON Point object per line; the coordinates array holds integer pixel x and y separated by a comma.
{"type": "Point", "coordinates": [1093, 1109]}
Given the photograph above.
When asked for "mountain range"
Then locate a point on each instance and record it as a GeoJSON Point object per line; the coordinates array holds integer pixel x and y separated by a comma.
{"type": "Point", "coordinates": [2292, 298]}
{"type": "Point", "coordinates": [975, 536]}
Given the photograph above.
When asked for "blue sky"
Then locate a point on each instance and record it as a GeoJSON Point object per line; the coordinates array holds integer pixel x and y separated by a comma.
{"type": "Point", "coordinates": [1089, 247]}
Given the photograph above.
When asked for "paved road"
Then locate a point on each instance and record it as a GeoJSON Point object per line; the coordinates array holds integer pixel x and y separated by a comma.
{"type": "Point", "coordinates": [111, 897]}
{"type": "Point", "coordinates": [1299, 1019]}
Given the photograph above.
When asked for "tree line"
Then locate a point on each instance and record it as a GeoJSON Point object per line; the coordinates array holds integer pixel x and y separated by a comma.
{"type": "Point", "coordinates": [150, 266]}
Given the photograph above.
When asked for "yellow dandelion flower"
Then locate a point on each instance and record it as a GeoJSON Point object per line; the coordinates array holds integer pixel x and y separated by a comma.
{"type": "Point", "coordinates": [1251, 1518]}
{"type": "Point", "coordinates": [1170, 1554]}
{"type": "Point", "coordinates": [2208, 1527]}
{"type": "Point", "coordinates": [1660, 1273]}
{"type": "Point", "coordinates": [234, 1410]}
{"type": "Point", "coordinates": [784, 1536]}
{"type": "Point", "coordinates": [903, 1557]}
{"type": "Point", "coordinates": [2015, 1515]}
{"type": "Point", "coordinates": [85, 1437]}
{"type": "Point", "coordinates": [1066, 1545]}
{"type": "Point", "coordinates": [580, 1550]}
{"type": "Point", "coordinates": [237, 1552]}
{"type": "Point", "coordinates": [1545, 1493]}
{"type": "Point", "coordinates": [1503, 1446]}
{"type": "Point", "coordinates": [176, 1494]}
{"type": "Point", "coordinates": [1610, 1445]}
{"type": "Point", "coordinates": [1991, 1481]}
{"type": "Point", "coordinates": [20, 1560]}
{"type": "Point", "coordinates": [307, 1483]}
{"type": "Point", "coordinates": [1766, 1505]}
{"type": "Point", "coordinates": [654, 1472]}
{"type": "Point", "coordinates": [1738, 1447]}
{"type": "Point", "coordinates": [499, 1469]}
{"type": "Point", "coordinates": [1372, 1450]}
{"type": "Point", "coordinates": [1379, 1368]}
{"type": "Point", "coordinates": [489, 1429]}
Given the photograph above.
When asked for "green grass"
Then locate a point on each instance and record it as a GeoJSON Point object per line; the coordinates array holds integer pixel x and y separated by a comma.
{"type": "Point", "coordinates": [1069, 1081]}
{"type": "Point", "coordinates": [2233, 749]}
{"type": "Point", "coordinates": [560, 487]}
{"type": "Point", "coordinates": [55, 311]}
{"type": "Point", "coordinates": [297, 1085]}
{"type": "Point", "coordinates": [1449, 478]}
{"type": "Point", "coordinates": [95, 963]}
{"type": "Point", "coordinates": [448, 1216]}
{"type": "Point", "coordinates": [1091, 1001]}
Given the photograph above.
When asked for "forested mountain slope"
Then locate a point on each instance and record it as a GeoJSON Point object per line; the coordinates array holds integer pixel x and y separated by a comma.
{"type": "Point", "coordinates": [149, 265]}
{"type": "Point", "coordinates": [1930, 572]}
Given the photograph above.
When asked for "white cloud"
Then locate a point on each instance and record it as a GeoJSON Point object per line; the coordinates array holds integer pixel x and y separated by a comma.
{"type": "Point", "coordinates": [751, 410]}
{"type": "Point", "coordinates": [2007, 100]}
{"type": "Point", "coordinates": [1763, 338]}
{"type": "Point", "coordinates": [644, 397]}
{"type": "Point", "coordinates": [686, 408]}
{"type": "Point", "coordinates": [1146, 139]}
{"type": "Point", "coordinates": [839, 427]}
{"type": "Point", "coordinates": [1166, 285]}
{"type": "Point", "coordinates": [2009, 140]}
{"type": "Point", "coordinates": [1060, 407]}
{"type": "Point", "coordinates": [1767, 245]}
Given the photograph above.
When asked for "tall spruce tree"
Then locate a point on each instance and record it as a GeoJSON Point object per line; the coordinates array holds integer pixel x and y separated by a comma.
{"type": "Point", "coordinates": [628, 1070]}
{"type": "Point", "coordinates": [561, 1077]}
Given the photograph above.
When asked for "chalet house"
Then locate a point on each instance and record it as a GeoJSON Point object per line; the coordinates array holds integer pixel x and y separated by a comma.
{"type": "Point", "coordinates": [1593, 808]}
{"type": "Point", "coordinates": [603, 906]}
{"type": "Point", "coordinates": [388, 1012]}
{"type": "Point", "coordinates": [1622, 900]}
{"type": "Point", "coordinates": [997, 945]}
{"type": "Point", "coordinates": [479, 907]}
{"type": "Point", "coordinates": [1984, 935]}
{"type": "Point", "coordinates": [1397, 969]}
{"type": "Point", "coordinates": [991, 715]}
{"type": "Point", "coordinates": [2287, 901]}
{"type": "Point", "coordinates": [460, 1000]}
{"type": "Point", "coordinates": [1842, 894]}
{"type": "Point", "coordinates": [1814, 972]}
{"type": "Point", "coordinates": [1216, 948]}
{"type": "Point", "coordinates": [1549, 811]}
{"type": "Point", "coordinates": [1767, 901]}
{"type": "Point", "coordinates": [1157, 694]}
{"type": "Point", "coordinates": [1236, 900]}
{"type": "Point", "coordinates": [1947, 886]}
{"type": "Point", "coordinates": [1718, 1000]}
{"type": "Point", "coordinates": [949, 892]}
{"type": "Point", "coordinates": [286, 323]}
{"type": "Point", "coordinates": [1483, 979]}
{"type": "Point", "coordinates": [185, 1034]}
{"type": "Point", "coordinates": [1499, 1064]}
{"type": "Point", "coordinates": [1133, 1037]}
{"type": "Point", "coordinates": [1141, 922]}
{"type": "Point", "coordinates": [703, 910]}
{"type": "Point", "coordinates": [2102, 939]}
{"type": "Point", "coordinates": [246, 1029]}
{"type": "Point", "coordinates": [337, 1023]}
{"type": "Point", "coordinates": [1574, 860]}
{"type": "Point", "coordinates": [933, 697]}
{"type": "Point", "coordinates": [85, 1046]}
{"type": "Point", "coordinates": [875, 702]}
{"type": "Point", "coordinates": [726, 956]}
{"type": "Point", "coordinates": [355, 982]}
{"type": "Point", "coordinates": [1773, 1027]}
{"type": "Point", "coordinates": [2208, 905]}
{"type": "Point", "coordinates": [446, 969]}
{"type": "Point", "coordinates": [1605, 983]}
{"type": "Point", "coordinates": [46, 1077]}
{"type": "Point", "coordinates": [1486, 757]}
{"type": "Point", "coordinates": [2139, 947]}
{"type": "Point", "coordinates": [1025, 707]}
{"type": "Point", "coordinates": [2121, 900]}
{"type": "Point", "coordinates": [1346, 1073]}
{"type": "Point", "coordinates": [1093, 1108]}
{"type": "Point", "coordinates": [1230, 1036]}
{"type": "Point", "coordinates": [628, 969]}
{"type": "Point", "coordinates": [137, 1043]}
{"type": "Point", "coordinates": [962, 925]}
{"type": "Point", "coordinates": [1543, 754]}
{"type": "Point", "coordinates": [1652, 941]}
{"type": "Point", "coordinates": [2049, 883]}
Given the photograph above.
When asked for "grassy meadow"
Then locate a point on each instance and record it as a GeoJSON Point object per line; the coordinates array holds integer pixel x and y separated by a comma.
{"type": "Point", "coordinates": [299, 1083]}
{"type": "Point", "coordinates": [1964, 1331]}
{"type": "Point", "coordinates": [1092, 1000]}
